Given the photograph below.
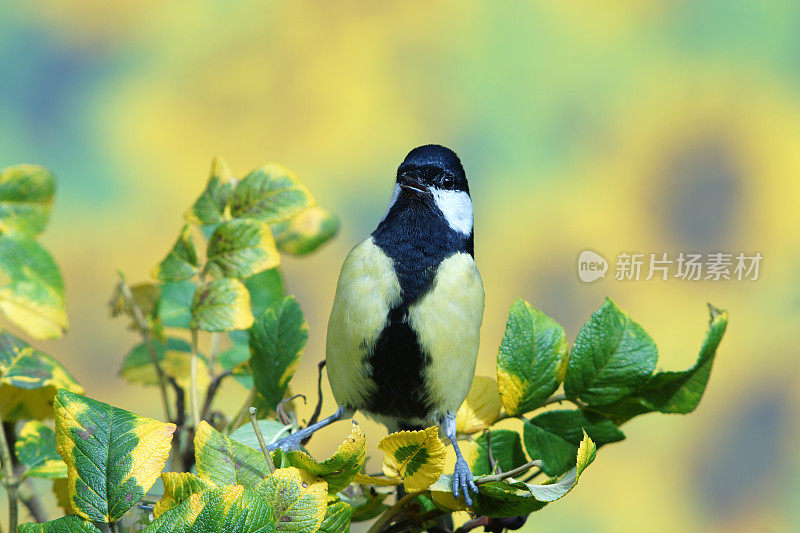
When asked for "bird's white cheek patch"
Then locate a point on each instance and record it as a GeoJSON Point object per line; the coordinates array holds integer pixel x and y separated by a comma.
{"type": "Point", "coordinates": [395, 194]}
{"type": "Point", "coordinates": [456, 207]}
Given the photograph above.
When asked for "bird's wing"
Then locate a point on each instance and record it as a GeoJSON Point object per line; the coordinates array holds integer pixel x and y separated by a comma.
{"type": "Point", "coordinates": [367, 289]}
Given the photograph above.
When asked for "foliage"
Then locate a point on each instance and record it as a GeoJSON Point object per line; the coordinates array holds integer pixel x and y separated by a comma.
{"type": "Point", "coordinates": [217, 309]}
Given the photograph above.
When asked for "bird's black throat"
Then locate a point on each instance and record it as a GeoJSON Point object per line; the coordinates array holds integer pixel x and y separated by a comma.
{"type": "Point", "coordinates": [417, 237]}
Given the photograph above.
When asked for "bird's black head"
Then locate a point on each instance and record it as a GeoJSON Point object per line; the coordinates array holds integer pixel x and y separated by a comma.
{"type": "Point", "coordinates": [431, 167]}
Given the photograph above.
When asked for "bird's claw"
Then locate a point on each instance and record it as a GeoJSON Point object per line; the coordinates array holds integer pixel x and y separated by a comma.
{"type": "Point", "coordinates": [287, 444]}
{"type": "Point", "coordinates": [463, 482]}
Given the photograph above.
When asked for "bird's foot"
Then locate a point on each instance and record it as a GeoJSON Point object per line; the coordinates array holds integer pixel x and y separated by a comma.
{"type": "Point", "coordinates": [463, 481]}
{"type": "Point", "coordinates": [287, 444]}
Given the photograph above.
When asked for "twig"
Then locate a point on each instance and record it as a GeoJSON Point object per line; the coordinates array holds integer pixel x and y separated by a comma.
{"type": "Point", "coordinates": [427, 516]}
{"type": "Point", "coordinates": [144, 330]}
{"type": "Point", "coordinates": [318, 408]}
{"type": "Point", "coordinates": [390, 513]}
{"type": "Point", "coordinates": [283, 416]}
{"type": "Point", "coordinates": [9, 479]}
{"type": "Point", "coordinates": [260, 438]}
{"type": "Point", "coordinates": [212, 391]}
{"type": "Point", "coordinates": [194, 394]}
{"type": "Point", "coordinates": [511, 473]}
{"type": "Point", "coordinates": [475, 523]}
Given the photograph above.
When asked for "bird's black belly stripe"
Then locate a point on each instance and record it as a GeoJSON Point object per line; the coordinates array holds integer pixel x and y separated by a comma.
{"type": "Point", "coordinates": [397, 363]}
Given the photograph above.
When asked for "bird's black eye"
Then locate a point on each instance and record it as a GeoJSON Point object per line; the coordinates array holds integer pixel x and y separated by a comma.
{"type": "Point", "coordinates": [447, 182]}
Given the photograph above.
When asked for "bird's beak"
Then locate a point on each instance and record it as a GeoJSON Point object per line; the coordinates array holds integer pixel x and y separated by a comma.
{"type": "Point", "coordinates": [413, 186]}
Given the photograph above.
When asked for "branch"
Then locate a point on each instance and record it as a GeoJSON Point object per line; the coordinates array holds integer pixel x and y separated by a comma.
{"type": "Point", "coordinates": [475, 523]}
{"type": "Point", "coordinates": [505, 475]}
{"type": "Point", "coordinates": [384, 519]}
{"type": "Point", "coordinates": [10, 480]}
{"type": "Point", "coordinates": [144, 329]}
{"type": "Point", "coordinates": [193, 392]}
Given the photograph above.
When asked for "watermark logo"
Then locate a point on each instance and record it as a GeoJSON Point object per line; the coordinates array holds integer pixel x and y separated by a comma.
{"type": "Point", "coordinates": [591, 266]}
{"type": "Point", "coordinates": [631, 266]}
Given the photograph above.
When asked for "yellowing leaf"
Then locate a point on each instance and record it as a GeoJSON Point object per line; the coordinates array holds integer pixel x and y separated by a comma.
{"type": "Point", "coordinates": [240, 248]}
{"type": "Point", "coordinates": [271, 193]}
{"type": "Point", "coordinates": [230, 508]}
{"type": "Point", "coordinates": [221, 305]}
{"type": "Point", "coordinates": [481, 408]}
{"type": "Point", "coordinates": [26, 196]}
{"type": "Point", "coordinates": [29, 379]}
{"type": "Point", "coordinates": [36, 450]}
{"type": "Point", "coordinates": [209, 208]}
{"type": "Point", "coordinates": [297, 499]}
{"type": "Point", "coordinates": [224, 461]}
{"type": "Point", "coordinates": [178, 487]}
{"type": "Point", "coordinates": [340, 468]}
{"type": "Point", "coordinates": [33, 296]}
{"type": "Point", "coordinates": [65, 524]}
{"type": "Point", "coordinates": [181, 261]}
{"type": "Point", "coordinates": [415, 456]}
{"type": "Point", "coordinates": [113, 456]}
{"type": "Point", "coordinates": [306, 231]}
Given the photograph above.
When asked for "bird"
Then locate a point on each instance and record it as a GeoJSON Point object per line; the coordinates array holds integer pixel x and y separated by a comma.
{"type": "Point", "coordinates": [404, 329]}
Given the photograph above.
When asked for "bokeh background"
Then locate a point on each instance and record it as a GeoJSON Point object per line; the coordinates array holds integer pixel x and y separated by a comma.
{"type": "Point", "coordinates": [638, 126]}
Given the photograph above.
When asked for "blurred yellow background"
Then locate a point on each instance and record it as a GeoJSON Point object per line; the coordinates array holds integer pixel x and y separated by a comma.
{"type": "Point", "coordinates": [642, 126]}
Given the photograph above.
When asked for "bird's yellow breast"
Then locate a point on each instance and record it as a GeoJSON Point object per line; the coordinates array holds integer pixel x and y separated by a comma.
{"type": "Point", "coordinates": [446, 320]}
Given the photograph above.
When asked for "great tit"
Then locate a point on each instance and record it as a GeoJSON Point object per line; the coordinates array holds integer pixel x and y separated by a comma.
{"type": "Point", "coordinates": [405, 325]}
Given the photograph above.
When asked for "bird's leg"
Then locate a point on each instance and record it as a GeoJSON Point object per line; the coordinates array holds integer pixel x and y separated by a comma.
{"type": "Point", "coordinates": [293, 441]}
{"type": "Point", "coordinates": [463, 482]}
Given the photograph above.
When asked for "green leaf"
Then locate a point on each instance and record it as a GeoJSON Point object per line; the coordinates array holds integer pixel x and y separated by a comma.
{"type": "Point", "coordinates": [236, 360]}
{"type": "Point", "coordinates": [26, 196]}
{"type": "Point", "coordinates": [515, 498]}
{"type": "Point", "coordinates": [36, 451]}
{"type": "Point", "coordinates": [297, 499]}
{"type": "Point", "coordinates": [306, 231]}
{"type": "Point", "coordinates": [554, 437]}
{"type": "Point", "coordinates": [221, 305]}
{"type": "Point", "coordinates": [240, 248]}
{"type": "Point", "coordinates": [230, 508]}
{"type": "Point", "coordinates": [340, 468]}
{"type": "Point", "coordinates": [506, 451]}
{"type": "Point", "coordinates": [29, 379]}
{"type": "Point", "coordinates": [223, 461]}
{"type": "Point", "coordinates": [337, 518]}
{"type": "Point", "coordinates": [174, 305]}
{"type": "Point", "coordinates": [272, 430]}
{"type": "Point", "coordinates": [178, 487]}
{"type": "Point", "coordinates": [266, 290]}
{"type": "Point", "coordinates": [612, 357]}
{"type": "Point", "coordinates": [271, 193]}
{"type": "Point", "coordinates": [531, 355]}
{"type": "Point", "coordinates": [181, 262]}
{"type": "Point", "coordinates": [174, 358]}
{"type": "Point", "coordinates": [113, 456]}
{"type": "Point", "coordinates": [277, 340]}
{"type": "Point", "coordinates": [209, 208]}
{"type": "Point", "coordinates": [33, 295]}
{"type": "Point", "coordinates": [65, 524]}
{"type": "Point", "coordinates": [416, 457]}
{"type": "Point", "coordinates": [674, 392]}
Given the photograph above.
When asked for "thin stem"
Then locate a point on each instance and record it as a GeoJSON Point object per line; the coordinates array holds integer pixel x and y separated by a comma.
{"type": "Point", "coordinates": [391, 512]}
{"type": "Point", "coordinates": [212, 351]}
{"type": "Point", "coordinates": [194, 393]}
{"type": "Point", "coordinates": [558, 398]}
{"type": "Point", "coordinates": [475, 523]}
{"type": "Point", "coordinates": [212, 391]}
{"type": "Point", "coordinates": [260, 438]}
{"type": "Point", "coordinates": [144, 329]}
{"type": "Point", "coordinates": [112, 526]}
{"type": "Point", "coordinates": [9, 479]}
{"type": "Point", "coordinates": [403, 525]}
{"type": "Point", "coordinates": [32, 503]}
{"type": "Point", "coordinates": [510, 473]}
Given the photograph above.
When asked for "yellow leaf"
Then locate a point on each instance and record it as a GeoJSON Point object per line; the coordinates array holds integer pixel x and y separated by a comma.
{"type": "Point", "coordinates": [415, 456]}
{"type": "Point", "coordinates": [481, 408]}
